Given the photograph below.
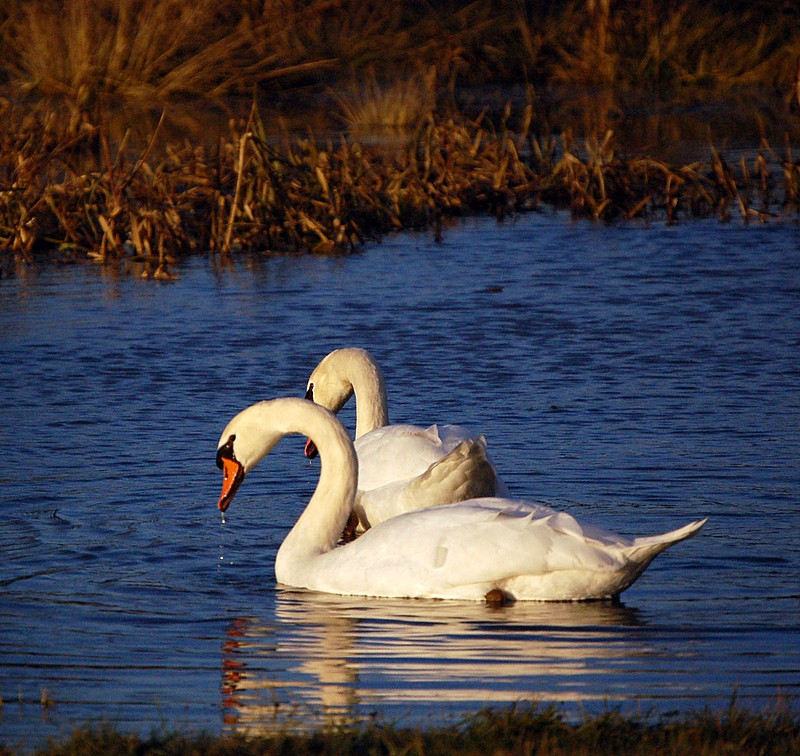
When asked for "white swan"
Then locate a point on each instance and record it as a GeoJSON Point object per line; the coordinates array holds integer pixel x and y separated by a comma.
{"type": "Point", "coordinates": [476, 549]}
{"type": "Point", "coordinates": [401, 467]}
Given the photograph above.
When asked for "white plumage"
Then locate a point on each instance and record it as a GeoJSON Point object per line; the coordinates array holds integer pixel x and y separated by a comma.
{"type": "Point", "coordinates": [465, 550]}
{"type": "Point", "coordinates": [401, 467]}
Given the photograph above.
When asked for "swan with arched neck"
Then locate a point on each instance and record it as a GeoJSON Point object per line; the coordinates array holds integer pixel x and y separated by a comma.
{"type": "Point", "coordinates": [401, 467]}
{"type": "Point", "coordinates": [467, 550]}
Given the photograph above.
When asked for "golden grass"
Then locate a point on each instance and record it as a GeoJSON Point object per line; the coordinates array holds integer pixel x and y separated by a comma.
{"type": "Point", "coordinates": [373, 107]}
{"type": "Point", "coordinates": [73, 194]}
{"type": "Point", "coordinates": [85, 50]}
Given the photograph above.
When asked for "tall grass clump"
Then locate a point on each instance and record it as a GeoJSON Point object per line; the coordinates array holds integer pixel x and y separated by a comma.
{"type": "Point", "coordinates": [83, 50]}
{"type": "Point", "coordinates": [369, 106]}
{"type": "Point", "coordinates": [139, 48]}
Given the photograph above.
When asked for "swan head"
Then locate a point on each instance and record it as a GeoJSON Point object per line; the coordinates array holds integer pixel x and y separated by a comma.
{"type": "Point", "coordinates": [232, 472]}
{"type": "Point", "coordinates": [334, 381]}
{"type": "Point", "coordinates": [243, 443]}
{"type": "Point", "coordinates": [253, 433]}
{"type": "Point", "coordinates": [330, 386]}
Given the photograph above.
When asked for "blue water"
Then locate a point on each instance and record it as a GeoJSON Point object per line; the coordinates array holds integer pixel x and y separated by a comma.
{"type": "Point", "coordinates": [640, 376]}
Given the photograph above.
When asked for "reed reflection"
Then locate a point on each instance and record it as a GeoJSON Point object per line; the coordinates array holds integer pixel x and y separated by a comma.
{"type": "Point", "coordinates": [324, 657]}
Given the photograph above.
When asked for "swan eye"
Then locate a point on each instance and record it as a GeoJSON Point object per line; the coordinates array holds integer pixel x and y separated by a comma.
{"type": "Point", "coordinates": [226, 451]}
{"type": "Point", "coordinates": [310, 392]}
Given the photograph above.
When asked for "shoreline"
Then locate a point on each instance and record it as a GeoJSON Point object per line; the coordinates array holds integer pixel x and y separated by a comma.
{"type": "Point", "coordinates": [522, 728]}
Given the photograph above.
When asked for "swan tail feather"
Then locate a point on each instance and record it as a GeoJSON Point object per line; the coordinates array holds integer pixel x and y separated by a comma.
{"type": "Point", "coordinates": [647, 548]}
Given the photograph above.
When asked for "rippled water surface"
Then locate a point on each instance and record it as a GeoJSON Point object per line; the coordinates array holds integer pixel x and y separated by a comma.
{"type": "Point", "coordinates": [639, 377]}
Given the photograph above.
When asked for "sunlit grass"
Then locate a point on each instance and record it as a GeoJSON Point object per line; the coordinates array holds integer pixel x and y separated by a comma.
{"type": "Point", "coordinates": [85, 50]}
{"type": "Point", "coordinates": [370, 106]}
{"type": "Point", "coordinates": [73, 194]}
{"type": "Point", "coordinates": [82, 50]}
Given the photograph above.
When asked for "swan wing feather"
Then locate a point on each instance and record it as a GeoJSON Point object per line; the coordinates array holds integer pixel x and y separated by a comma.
{"type": "Point", "coordinates": [465, 549]}
{"type": "Point", "coordinates": [464, 473]}
{"type": "Point", "coordinates": [395, 453]}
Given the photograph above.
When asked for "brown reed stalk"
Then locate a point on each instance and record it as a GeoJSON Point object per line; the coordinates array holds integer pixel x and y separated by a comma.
{"type": "Point", "coordinates": [256, 196]}
{"type": "Point", "coordinates": [243, 141]}
{"type": "Point", "coordinates": [791, 179]}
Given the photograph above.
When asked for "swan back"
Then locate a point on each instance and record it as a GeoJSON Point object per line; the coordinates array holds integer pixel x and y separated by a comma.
{"type": "Point", "coordinates": [464, 473]}
{"type": "Point", "coordinates": [400, 452]}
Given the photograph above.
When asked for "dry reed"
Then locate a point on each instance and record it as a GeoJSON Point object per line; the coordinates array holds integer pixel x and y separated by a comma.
{"type": "Point", "coordinates": [85, 50]}
{"type": "Point", "coordinates": [67, 195]}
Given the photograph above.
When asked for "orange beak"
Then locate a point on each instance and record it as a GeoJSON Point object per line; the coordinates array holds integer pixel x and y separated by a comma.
{"type": "Point", "coordinates": [232, 477]}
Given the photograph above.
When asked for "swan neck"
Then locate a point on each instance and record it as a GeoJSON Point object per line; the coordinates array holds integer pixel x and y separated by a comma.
{"type": "Point", "coordinates": [319, 527]}
{"type": "Point", "coordinates": [370, 390]}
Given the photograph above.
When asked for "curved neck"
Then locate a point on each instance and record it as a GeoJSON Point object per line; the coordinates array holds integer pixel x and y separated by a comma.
{"type": "Point", "coordinates": [320, 526]}
{"type": "Point", "coordinates": [372, 409]}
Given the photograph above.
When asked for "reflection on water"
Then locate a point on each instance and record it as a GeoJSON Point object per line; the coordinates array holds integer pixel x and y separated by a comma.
{"type": "Point", "coordinates": [334, 656]}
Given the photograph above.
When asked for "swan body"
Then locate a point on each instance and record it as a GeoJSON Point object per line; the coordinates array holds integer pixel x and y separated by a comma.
{"type": "Point", "coordinates": [398, 463]}
{"type": "Point", "coordinates": [465, 550]}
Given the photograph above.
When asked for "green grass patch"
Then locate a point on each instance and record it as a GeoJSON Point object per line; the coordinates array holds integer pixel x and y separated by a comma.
{"type": "Point", "coordinates": [521, 729]}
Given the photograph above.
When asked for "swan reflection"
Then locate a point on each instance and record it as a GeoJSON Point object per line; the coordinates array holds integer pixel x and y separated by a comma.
{"type": "Point", "coordinates": [324, 657]}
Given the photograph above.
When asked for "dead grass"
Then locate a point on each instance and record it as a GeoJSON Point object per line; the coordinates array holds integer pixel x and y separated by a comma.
{"type": "Point", "coordinates": [75, 194]}
{"type": "Point", "coordinates": [87, 50]}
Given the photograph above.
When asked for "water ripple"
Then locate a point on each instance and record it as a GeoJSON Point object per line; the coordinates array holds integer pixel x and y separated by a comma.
{"type": "Point", "coordinates": [638, 376]}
